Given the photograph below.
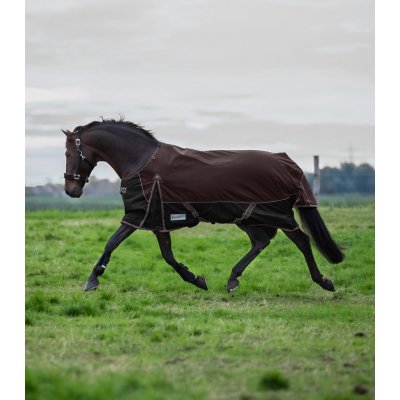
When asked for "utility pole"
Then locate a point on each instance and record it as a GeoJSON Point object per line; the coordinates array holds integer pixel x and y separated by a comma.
{"type": "Point", "coordinates": [317, 178]}
{"type": "Point", "coordinates": [351, 153]}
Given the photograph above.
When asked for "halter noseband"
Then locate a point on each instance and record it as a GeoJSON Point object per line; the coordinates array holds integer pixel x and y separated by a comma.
{"type": "Point", "coordinates": [77, 176]}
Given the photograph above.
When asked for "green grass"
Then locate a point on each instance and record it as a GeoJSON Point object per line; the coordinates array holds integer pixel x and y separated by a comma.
{"type": "Point", "coordinates": [146, 334]}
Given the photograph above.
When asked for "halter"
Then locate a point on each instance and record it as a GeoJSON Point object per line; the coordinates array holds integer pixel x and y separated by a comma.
{"type": "Point", "coordinates": [77, 176]}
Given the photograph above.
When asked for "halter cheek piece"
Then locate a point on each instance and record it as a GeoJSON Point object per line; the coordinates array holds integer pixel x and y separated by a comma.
{"type": "Point", "coordinates": [77, 176]}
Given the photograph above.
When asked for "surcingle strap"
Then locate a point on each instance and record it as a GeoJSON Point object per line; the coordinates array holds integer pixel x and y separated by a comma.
{"type": "Point", "coordinates": [191, 209]}
{"type": "Point", "coordinates": [246, 213]}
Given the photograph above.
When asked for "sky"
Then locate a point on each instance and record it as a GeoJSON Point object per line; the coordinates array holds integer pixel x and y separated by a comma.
{"type": "Point", "coordinates": [276, 75]}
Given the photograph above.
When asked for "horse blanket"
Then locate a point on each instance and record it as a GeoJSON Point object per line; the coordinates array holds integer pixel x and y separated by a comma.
{"type": "Point", "coordinates": [179, 187]}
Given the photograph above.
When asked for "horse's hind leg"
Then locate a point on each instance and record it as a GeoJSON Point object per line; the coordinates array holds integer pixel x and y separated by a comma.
{"type": "Point", "coordinates": [115, 240]}
{"type": "Point", "coordinates": [260, 238]}
{"type": "Point", "coordinates": [302, 241]}
{"type": "Point", "coordinates": [164, 241]}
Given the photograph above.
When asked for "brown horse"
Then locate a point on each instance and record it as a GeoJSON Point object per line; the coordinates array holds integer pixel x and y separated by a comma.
{"type": "Point", "coordinates": [165, 187]}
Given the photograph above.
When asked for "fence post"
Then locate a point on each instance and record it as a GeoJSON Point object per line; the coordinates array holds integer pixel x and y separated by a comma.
{"type": "Point", "coordinates": [317, 178]}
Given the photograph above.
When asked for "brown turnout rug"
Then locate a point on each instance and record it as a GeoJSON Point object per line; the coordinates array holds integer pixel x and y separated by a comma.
{"type": "Point", "coordinates": [179, 187]}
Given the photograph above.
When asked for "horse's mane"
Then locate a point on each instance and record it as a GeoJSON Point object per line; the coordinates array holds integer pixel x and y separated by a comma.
{"type": "Point", "coordinates": [120, 122]}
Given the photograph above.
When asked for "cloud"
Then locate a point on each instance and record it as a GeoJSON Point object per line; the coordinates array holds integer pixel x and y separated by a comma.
{"type": "Point", "coordinates": [201, 75]}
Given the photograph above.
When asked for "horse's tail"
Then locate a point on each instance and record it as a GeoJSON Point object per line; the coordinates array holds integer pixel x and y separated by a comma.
{"type": "Point", "coordinates": [315, 226]}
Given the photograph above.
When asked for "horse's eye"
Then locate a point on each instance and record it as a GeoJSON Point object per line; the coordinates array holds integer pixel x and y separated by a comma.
{"type": "Point", "coordinates": [67, 154]}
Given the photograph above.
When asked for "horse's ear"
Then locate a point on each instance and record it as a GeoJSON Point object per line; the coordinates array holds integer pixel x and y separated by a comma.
{"type": "Point", "coordinates": [66, 133]}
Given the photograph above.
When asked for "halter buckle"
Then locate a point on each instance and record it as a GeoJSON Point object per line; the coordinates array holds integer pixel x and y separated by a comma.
{"type": "Point", "coordinates": [78, 142]}
{"type": "Point", "coordinates": [77, 177]}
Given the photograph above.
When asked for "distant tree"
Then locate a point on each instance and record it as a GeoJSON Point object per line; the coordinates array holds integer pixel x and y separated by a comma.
{"type": "Point", "coordinates": [330, 180]}
{"type": "Point", "coordinates": [348, 174]}
{"type": "Point", "coordinates": [365, 179]}
{"type": "Point", "coordinates": [349, 178]}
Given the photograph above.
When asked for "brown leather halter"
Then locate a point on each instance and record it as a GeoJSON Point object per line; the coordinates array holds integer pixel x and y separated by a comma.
{"type": "Point", "coordinates": [77, 176]}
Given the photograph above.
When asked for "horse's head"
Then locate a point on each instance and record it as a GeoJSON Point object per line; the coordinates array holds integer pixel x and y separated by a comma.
{"type": "Point", "coordinates": [78, 164]}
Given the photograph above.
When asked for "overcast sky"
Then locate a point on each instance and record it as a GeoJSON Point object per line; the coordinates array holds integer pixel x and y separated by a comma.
{"type": "Point", "coordinates": [278, 75]}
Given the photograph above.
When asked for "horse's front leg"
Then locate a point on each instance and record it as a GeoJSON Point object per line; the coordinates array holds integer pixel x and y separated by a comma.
{"type": "Point", "coordinates": [115, 240]}
{"type": "Point", "coordinates": [164, 241]}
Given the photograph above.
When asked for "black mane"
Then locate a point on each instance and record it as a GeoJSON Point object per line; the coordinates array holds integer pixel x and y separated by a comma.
{"type": "Point", "coordinates": [121, 122]}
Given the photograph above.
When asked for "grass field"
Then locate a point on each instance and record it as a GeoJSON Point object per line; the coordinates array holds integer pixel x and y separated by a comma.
{"type": "Point", "coordinates": [146, 334]}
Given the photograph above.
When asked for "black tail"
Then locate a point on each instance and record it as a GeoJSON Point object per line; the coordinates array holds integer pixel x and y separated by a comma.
{"type": "Point", "coordinates": [316, 227]}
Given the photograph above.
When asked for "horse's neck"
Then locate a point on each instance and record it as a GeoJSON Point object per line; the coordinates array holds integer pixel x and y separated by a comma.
{"type": "Point", "coordinates": [125, 153]}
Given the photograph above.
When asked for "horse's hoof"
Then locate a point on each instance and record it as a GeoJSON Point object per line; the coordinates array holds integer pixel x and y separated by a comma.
{"type": "Point", "coordinates": [92, 284]}
{"type": "Point", "coordinates": [327, 284]}
{"type": "Point", "coordinates": [200, 282]}
{"type": "Point", "coordinates": [232, 285]}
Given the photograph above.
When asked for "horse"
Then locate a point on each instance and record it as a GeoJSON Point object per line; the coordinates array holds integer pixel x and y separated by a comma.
{"type": "Point", "coordinates": [166, 187]}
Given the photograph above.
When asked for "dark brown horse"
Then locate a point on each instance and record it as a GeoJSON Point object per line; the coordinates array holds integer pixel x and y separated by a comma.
{"type": "Point", "coordinates": [165, 187]}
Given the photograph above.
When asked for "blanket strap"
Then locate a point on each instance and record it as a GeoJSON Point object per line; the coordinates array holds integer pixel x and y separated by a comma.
{"type": "Point", "coordinates": [191, 209]}
{"type": "Point", "coordinates": [246, 213]}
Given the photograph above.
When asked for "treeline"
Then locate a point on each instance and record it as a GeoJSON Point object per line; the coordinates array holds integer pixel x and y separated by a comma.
{"type": "Point", "coordinates": [349, 178]}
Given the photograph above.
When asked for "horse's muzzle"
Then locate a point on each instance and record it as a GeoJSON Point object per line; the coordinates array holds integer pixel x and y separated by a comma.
{"type": "Point", "coordinates": [75, 192]}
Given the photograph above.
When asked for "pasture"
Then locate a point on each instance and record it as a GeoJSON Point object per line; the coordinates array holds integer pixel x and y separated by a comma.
{"type": "Point", "coordinates": [146, 334]}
